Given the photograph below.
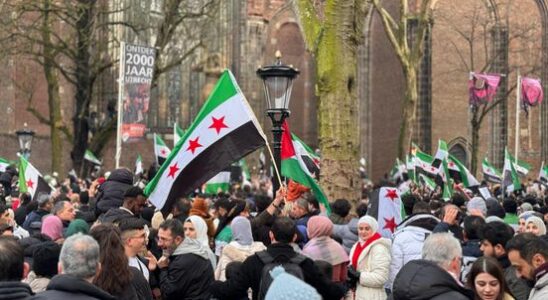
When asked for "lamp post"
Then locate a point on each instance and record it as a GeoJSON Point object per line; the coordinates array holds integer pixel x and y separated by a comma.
{"type": "Point", "coordinates": [278, 83]}
{"type": "Point", "coordinates": [25, 137]}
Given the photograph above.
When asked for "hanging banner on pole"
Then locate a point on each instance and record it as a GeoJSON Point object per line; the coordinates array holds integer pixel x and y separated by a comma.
{"type": "Point", "coordinates": [138, 66]}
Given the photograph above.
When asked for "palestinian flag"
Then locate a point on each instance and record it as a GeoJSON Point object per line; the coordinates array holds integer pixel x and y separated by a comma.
{"type": "Point", "coordinates": [4, 163]}
{"type": "Point", "coordinates": [294, 167]}
{"type": "Point", "coordinates": [219, 183]}
{"type": "Point", "coordinates": [441, 154]}
{"type": "Point", "coordinates": [463, 174]}
{"type": "Point", "coordinates": [30, 180]}
{"type": "Point", "coordinates": [224, 131]}
{"type": "Point", "coordinates": [510, 175]}
{"type": "Point", "coordinates": [160, 149]}
{"type": "Point", "coordinates": [309, 157]}
{"type": "Point", "coordinates": [386, 207]}
{"type": "Point", "coordinates": [543, 174]}
{"type": "Point", "coordinates": [138, 165]}
{"type": "Point", "coordinates": [89, 156]}
{"type": "Point", "coordinates": [490, 173]}
{"type": "Point", "coordinates": [178, 133]}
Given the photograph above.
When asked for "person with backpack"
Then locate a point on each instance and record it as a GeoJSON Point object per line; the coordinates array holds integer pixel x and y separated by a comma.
{"type": "Point", "coordinates": [255, 270]}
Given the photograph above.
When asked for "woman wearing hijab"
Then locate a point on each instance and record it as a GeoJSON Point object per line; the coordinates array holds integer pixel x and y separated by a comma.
{"type": "Point", "coordinates": [322, 247]}
{"type": "Point", "coordinates": [241, 246]}
{"type": "Point", "coordinates": [536, 226]}
{"type": "Point", "coordinates": [369, 261]}
{"type": "Point", "coordinates": [52, 226]}
{"type": "Point", "coordinates": [196, 240]}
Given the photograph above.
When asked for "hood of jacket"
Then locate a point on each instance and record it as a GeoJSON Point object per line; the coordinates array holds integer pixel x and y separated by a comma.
{"type": "Point", "coordinates": [121, 175]}
{"type": "Point", "coordinates": [422, 220]}
{"type": "Point", "coordinates": [353, 225]}
{"type": "Point", "coordinates": [14, 290]}
{"type": "Point", "coordinates": [74, 285]}
{"type": "Point", "coordinates": [421, 279]}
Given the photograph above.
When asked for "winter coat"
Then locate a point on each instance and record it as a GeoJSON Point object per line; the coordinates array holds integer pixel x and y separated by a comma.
{"type": "Point", "coordinates": [69, 287]}
{"type": "Point", "coordinates": [540, 290]}
{"type": "Point", "coordinates": [111, 193]}
{"type": "Point", "coordinates": [115, 215]}
{"type": "Point", "coordinates": [348, 233]}
{"type": "Point", "coordinates": [470, 253]}
{"type": "Point", "coordinates": [373, 265]}
{"type": "Point", "coordinates": [188, 276]}
{"type": "Point", "coordinates": [408, 240]}
{"type": "Point", "coordinates": [421, 280]}
{"type": "Point", "coordinates": [14, 290]}
{"type": "Point", "coordinates": [235, 252]}
{"type": "Point", "coordinates": [37, 283]}
{"type": "Point", "coordinates": [33, 222]}
{"type": "Point", "coordinates": [517, 286]}
{"type": "Point", "coordinates": [250, 276]}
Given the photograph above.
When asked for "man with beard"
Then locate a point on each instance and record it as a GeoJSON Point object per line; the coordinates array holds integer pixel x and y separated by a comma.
{"type": "Point", "coordinates": [529, 255]}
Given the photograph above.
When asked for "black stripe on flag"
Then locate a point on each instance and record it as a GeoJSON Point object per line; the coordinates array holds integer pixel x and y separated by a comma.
{"type": "Point", "coordinates": [41, 188]}
{"type": "Point", "coordinates": [215, 158]}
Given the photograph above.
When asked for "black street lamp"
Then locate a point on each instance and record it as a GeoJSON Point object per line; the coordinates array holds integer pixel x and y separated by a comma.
{"type": "Point", "coordinates": [278, 83]}
{"type": "Point", "coordinates": [25, 137]}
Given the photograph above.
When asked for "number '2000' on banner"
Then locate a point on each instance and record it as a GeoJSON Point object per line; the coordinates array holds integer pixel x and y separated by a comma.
{"type": "Point", "coordinates": [138, 66]}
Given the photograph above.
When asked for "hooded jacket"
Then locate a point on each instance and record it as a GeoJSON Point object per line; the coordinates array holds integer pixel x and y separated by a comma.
{"type": "Point", "coordinates": [421, 280]}
{"type": "Point", "coordinates": [14, 290]}
{"type": "Point", "coordinates": [348, 233]}
{"type": "Point", "coordinates": [408, 240]}
{"type": "Point", "coordinates": [69, 287]}
{"type": "Point", "coordinates": [111, 193]}
{"type": "Point", "coordinates": [189, 274]}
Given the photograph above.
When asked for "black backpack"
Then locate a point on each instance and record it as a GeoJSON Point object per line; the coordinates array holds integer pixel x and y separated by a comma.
{"type": "Point", "coordinates": [291, 266]}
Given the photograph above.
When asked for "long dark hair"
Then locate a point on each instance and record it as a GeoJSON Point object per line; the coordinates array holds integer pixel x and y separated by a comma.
{"type": "Point", "coordinates": [115, 275]}
{"type": "Point", "coordinates": [492, 267]}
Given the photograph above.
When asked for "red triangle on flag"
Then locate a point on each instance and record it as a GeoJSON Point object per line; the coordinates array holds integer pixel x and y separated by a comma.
{"type": "Point", "coordinates": [288, 150]}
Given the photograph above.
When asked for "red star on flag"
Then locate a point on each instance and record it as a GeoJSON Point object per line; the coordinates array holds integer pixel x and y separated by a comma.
{"type": "Point", "coordinates": [163, 152]}
{"type": "Point", "coordinates": [218, 124]}
{"type": "Point", "coordinates": [390, 224]}
{"type": "Point", "coordinates": [451, 164]}
{"type": "Point", "coordinates": [172, 170]}
{"type": "Point", "coordinates": [193, 144]}
{"type": "Point", "coordinates": [30, 184]}
{"type": "Point", "coordinates": [391, 194]}
{"type": "Point", "coordinates": [432, 169]}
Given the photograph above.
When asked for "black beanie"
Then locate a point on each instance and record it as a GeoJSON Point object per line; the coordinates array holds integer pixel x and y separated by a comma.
{"type": "Point", "coordinates": [45, 259]}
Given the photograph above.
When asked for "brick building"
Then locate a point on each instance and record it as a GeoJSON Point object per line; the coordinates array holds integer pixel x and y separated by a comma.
{"type": "Point", "coordinates": [248, 32]}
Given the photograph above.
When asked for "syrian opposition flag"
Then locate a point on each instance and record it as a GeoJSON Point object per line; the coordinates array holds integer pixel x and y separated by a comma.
{"type": "Point", "coordinates": [510, 175]}
{"type": "Point", "coordinates": [386, 207]}
{"type": "Point", "coordinates": [490, 173]}
{"type": "Point", "coordinates": [30, 180]}
{"type": "Point", "coordinates": [4, 163]}
{"type": "Point", "coordinates": [224, 131]}
{"type": "Point", "coordinates": [160, 149]}
{"type": "Point", "coordinates": [463, 174]}
{"type": "Point", "coordinates": [398, 172]}
{"type": "Point", "coordinates": [294, 167]}
{"type": "Point", "coordinates": [521, 167]}
{"type": "Point", "coordinates": [246, 176]}
{"type": "Point", "coordinates": [89, 156]}
{"type": "Point", "coordinates": [178, 133]}
{"type": "Point", "coordinates": [423, 164]}
{"type": "Point", "coordinates": [543, 174]}
{"type": "Point", "coordinates": [410, 166]}
{"type": "Point", "coordinates": [447, 181]}
{"type": "Point", "coordinates": [219, 183]}
{"type": "Point", "coordinates": [427, 182]}
{"type": "Point", "coordinates": [138, 165]}
{"type": "Point", "coordinates": [441, 154]}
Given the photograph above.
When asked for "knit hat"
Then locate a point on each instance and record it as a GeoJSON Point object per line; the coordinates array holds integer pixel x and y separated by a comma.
{"type": "Point", "coordinates": [286, 286]}
{"type": "Point", "coordinates": [539, 223]}
{"type": "Point", "coordinates": [45, 259]}
{"type": "Point", "coordinates": [526, 207]}
{"type": "Point", "coordinates": [477, 203]}
{"type": "Point", "coordinates": [199, 207]}
{"type": "Point", "coordinates": [319, 226]}
{"type": "Point", "coordinates": [369, 220]}
{"type": "Point", "coordinates": [77, 225]}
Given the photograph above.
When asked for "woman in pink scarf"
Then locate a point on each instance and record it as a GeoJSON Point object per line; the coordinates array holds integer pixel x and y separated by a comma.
{"type": "Point", "coordinates": [322, 247]}
{"type": "Point", "coordinates": [52, 226]}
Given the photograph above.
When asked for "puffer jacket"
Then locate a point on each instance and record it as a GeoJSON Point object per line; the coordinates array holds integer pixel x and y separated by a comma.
{"type": "Point", "coordinates": [540, 290]}
{"type": "Point", "coordinates": [424, 280]}
{"type": "Point", "coordinates": [348, 233]}
{"type": "Point", "coordinates": [408, 240]}
{"type": "Point", "coordinates": [373, 265]}
{"type": "Point", "coordinates": [235, 252]}
{"type": "Point", "coordinates": [111, 193]}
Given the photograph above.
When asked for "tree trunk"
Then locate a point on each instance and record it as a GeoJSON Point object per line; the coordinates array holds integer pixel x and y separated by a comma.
{"type": "Point", "coordinates": [54, 99]}
{"type": "Point", "coordinates": [336, 83]}
{"type": "Point", "coordinates": [409, 111]}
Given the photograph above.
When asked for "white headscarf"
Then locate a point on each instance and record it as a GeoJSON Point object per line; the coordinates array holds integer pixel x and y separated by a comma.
{"type": "Point", "coordinates": [200, 227]}
{"type": "Point", "coordinates": [370, 221]}
{"type": "Point", "coordinates": [539, 223]}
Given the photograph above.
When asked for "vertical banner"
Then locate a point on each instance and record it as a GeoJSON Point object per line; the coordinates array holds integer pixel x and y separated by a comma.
{"type": "Point", "coordinates": [138, 66]}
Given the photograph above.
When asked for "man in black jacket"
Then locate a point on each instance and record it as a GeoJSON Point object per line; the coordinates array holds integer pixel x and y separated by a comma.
{"type": "Point", "coordinates": [184, 274]}
{"type": "Point", "coordinates": [132, 206]}
{"type": "Point", "coordinates": [110, 194]}
{"type": "Point", "coordinates": [13, 268]}
{"type": "Point", "coordinates": [436, 276]}
{"type": "Point", "coordinates": [78, 265]}
{"type": "Point", "coordinates": [282, 233]}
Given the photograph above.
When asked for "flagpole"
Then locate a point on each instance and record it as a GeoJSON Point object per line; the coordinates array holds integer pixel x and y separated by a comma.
{"type": "Point", "coordinates": [120, 95]}
{"type": "Point", "coordinates": [518, 92]}
{"type": "Point", "coordinates": [275, 166]}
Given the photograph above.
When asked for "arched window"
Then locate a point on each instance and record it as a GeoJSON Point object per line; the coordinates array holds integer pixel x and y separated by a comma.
{"type": "Point", "coordinates": [459, 152]}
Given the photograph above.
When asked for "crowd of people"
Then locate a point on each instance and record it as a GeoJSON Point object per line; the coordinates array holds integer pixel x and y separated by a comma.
{"type": "Point", "coordinates": [102, 239]}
